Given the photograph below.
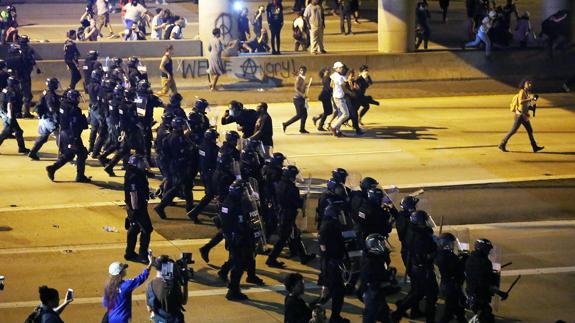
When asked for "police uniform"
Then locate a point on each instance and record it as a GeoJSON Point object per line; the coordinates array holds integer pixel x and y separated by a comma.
{"type": "Point", "coordinates": [87, 68]}
{"type": "Point", "coordinates": [271, 174]}
{"type": "Point", "coordinates": [47, 110]}
{"type": "Point", "coordinates": [371, 218]}
{"type": "Point", "coordinates": [330, 238]}
{"type": "Point", "coordinates": [377, 281]}
{"type": "Point", "coordinates": [28, 63]}
{"type": "Point", "coordinates": [421, 254]}
{"type": "Point", "coordinates": [95, 92]}
{"type": "Point", "coordinates": [10, 102]}
{"type": "Point", "coordinates": [138, 220]}
{"type": "Point", "coordinates": [199, 123]}
{"type": "Point", "coordinates": [72, 123]}
{"type": "Point", "coordinates": [208, 160]}
{"type": "Point", "coordinates": [71, 56]}
{"type": "Point", "coordinates": [452, 267]}
{"type": "Point", "coordinates": [480, 279]}
{"type": "Point", "coordinates": [239, 240]}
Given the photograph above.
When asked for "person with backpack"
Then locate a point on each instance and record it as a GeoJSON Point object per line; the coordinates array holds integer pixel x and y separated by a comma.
{"type": "Point", "coordinates": [522, 103]}
{"type": "Point", "coordinates": [300, 32]}
{"type": "Point", "coordinates": [167, 293]}
{"type": "Point", "coordinates": [49, 311]}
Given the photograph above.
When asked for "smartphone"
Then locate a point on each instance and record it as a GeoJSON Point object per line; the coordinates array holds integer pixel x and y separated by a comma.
{"type": "Point", "coordinates": [70, 294]}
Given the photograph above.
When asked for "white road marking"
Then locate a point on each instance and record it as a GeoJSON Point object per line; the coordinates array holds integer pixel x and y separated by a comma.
{"type": "Point", "coordinates": [538, 271]}
{"type": "Point", "coordinates": [142, 296]}
{"type": "Point", "coordinates": [372, 152]}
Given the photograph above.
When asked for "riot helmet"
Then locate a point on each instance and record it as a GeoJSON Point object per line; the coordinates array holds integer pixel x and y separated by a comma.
{"type": "Point", "coordinates": [52, 84]}
{"type": "Point", "coordinates": [130, 94]}
{"type": "Point", "coordinates": [277, 159]}
{"type": "Point", "coordinates": [232, 137]}
{"type": "Point", "coordinates": [368, 183]}
{"type": "Point", "coordinates": [375, 245]}
{"type": "Point", "coordinates": [332, 211]}
{"type": "Point", "coordinates": [211, 134]}
{"type": "Point", "coordinates": [97, 75]}
{"type": "Point", "coordinates": [116, 62]}
{"type": "Point", "coordinates": [375, 195]}
{"type": "Point", "coordinates": [483, 246]}
{"type": "Point", "coordinates": [133, 61]}
{"type": "Point", "coordinates": [419, 218]}
{"type": "Point", "coordinates": [409, 203]}
{"type": "Point", "coordinates": [176, 98]}
{"type": "Point", "coordinates": [143, 86]}
{"type": "Point", "coordinates": [167, 117]}
{"type": "Point", "coordinates": [138, 161]}
{"type": "Point", "coordinates": [109, 84]}
{"type": "Point", "coordinates": [14, 48]}
{"type": "Point", "coordinates": [339, 175]}
{"type": "Point", "coordinates": [290, 172]}
{"type": "Point", "coordinates": [73, 96]}
{"type": "Point", "coordinates": [237, 188]}
{"type": "Point", "coordinates": [24, 40]}
{"type": "Point", "coordinates": [119, 90]}
{"type": "Point", "coordinates": [446, 241]}
{"type": "Point", "coordinates": [179, 124]}
{"type": "Point", "coordinates": [201, 105]}
{"type": "Point", "coordinates": [93, 54]}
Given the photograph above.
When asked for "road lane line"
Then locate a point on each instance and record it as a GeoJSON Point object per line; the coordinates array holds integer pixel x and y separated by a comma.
{"type": "Point", "coordinates": [538, 271]}
{"type": "Point", "coordinates": [196, 242]}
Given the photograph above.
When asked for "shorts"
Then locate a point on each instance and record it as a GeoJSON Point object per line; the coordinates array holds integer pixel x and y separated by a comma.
{"type": "Point", "coordinates": [104, 20]}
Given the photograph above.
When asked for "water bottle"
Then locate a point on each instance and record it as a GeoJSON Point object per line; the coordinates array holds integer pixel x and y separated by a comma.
{"type": "Point", "coordinates": [110, 229]}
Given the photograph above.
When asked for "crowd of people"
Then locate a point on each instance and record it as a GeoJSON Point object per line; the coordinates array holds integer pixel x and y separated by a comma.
{"type": "Point", "coordinates": [257, 199]}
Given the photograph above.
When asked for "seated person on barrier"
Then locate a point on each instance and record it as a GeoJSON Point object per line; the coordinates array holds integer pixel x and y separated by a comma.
{"type": "Point", "coordinates": [257, 44]}
{"type": "Point", "coordinates": [178, 30]}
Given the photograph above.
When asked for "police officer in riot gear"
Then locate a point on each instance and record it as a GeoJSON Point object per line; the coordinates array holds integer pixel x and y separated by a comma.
{"type": "Point", "coordinates": [136, 195]}
{"type": "Point", "coordinates": [10, 103]}
{"type": "Point", "coordinates": [239, 237]}
{"type": "Point", "coordinates": [113, 121]}
{"type": "Point", "coordinates": [377, 279]}
{"type": "Point", "coordinates": [96, 106]}
{"type": "Point", "coordinates": [47, 110]}
{"type": "Point", "coordinates": [373, 216]}
{"type": "Point", "coordinates": [72, 123]}
{"type": "Point", "coordinates": [136, 72]}
{"type": "Point", "coordinates": [245, 118]}
{"type": "Point", "coordinates": [208, 160]}
{"type": "Point", "coordinates": [198, 121]}
{"type": "Point", "coordinates": [175, 106]}
{"type": "Point", "coordinates": [3, 74]}
{"type": "Point", "coordinates": [180, 154]}
{"type": "Point", "coordinates": [452, 269]}
{"type": "Point", "coordinates": [146, 102]}
{"type": "Point", "coordinates": [226, 172]}
{"type": "Point", "coordinates": [161, 133]}
{"type": "Point", "coordinates": [421, 254]}
{"type": "Point", "coordinates": [28, 62]}
{"type": "Point", "coordinates": [402, 219]}
{"type": "Point", "coordinates": [271, 174]}
{"type": "Point", "coordinates": [130, 134]}
{"type": "Point", "coordinates": [289, 201]}
{"type": "Point", "coordinates": [88, 67]}
{"type": "Point", "coordinates": [332, 247]}
{"type": "Point", "coordinates": [336, 192]}
{"type": "Point", "coordinates": [482, 281]}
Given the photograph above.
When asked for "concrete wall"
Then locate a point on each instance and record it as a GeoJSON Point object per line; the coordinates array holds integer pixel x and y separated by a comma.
{"type": "Point", "coordinates": [265, 71]}
{"type": "Point", "coordinates": [142, 48]}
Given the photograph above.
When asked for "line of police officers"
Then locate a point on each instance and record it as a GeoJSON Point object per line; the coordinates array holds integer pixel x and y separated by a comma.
{"type": "Point", "coordinates": [256, 195]}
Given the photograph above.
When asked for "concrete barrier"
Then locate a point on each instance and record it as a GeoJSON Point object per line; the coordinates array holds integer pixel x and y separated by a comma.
{"type": "Point", "coordinates": [268, 71]}
{"type": "Point", "coordinates": [141, 48]}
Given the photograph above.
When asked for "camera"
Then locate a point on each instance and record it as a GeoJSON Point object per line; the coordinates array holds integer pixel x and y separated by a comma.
{"type": "Point", "coordinates": [183, 262]}
{"type": "Point", "coordinates": [1, 282]}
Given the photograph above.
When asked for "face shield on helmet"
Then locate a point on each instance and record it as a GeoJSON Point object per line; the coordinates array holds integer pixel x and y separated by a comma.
{"type": "Point", "coordinates": [179, 124]}
{"type": "Point", "coordinates": [422, 219]}
{"type": "Point", "coordinates": [375, 195]}
{"type": "Point", "coordinates": [211, 135]}
{"type": "Point", "coordinates": [375, 245]}
{"type": "Point", "coordinates": [339, 175]}
{"type": "Point", "coordinates": [409, 203]}
{"type": "Point", "coordinates": [237, 189]}
{"type": "Point", "coordinates": [368, 183]}
{"type": "Point", "coordinates": [447, 241]}
{"type": "Point", "coordinates": [52, 84]}
{"type": "Point", "coordinates": [139, 162]}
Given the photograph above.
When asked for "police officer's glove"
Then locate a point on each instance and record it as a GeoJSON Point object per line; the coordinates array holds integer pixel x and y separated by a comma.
{"type": "Point", "coordinates": [503, 295]}
{"type": "Point", "coordinates": [38, 71]}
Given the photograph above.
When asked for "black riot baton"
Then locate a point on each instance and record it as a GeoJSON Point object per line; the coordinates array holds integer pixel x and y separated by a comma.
{"type": "Point", "coordinates": [513, 284]}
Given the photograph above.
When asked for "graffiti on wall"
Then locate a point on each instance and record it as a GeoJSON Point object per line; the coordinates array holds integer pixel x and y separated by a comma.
{"type": "Point", "coordinates": [243, 68]}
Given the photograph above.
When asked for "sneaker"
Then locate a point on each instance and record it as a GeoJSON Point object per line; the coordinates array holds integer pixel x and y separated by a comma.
{"type": "Point", "coordinates": [255, 280]}
{"type": "Point", "coordinates": [236, 296]}
{"type": "Point", "coordinates": [160, 211]}
{"type": "Point", "coordinates": [537, 148]}
{"type": "Point", "coordinates": [322, 129]}
{"type": "Point", "coordinates": [205, 254]}
{"type": "Point", "coordinates": [502, 148]}
{"type": "Point", "coordinates": [34, 156]}
{"type": "Point", "coordinates": [274, 263]}
{"type": "Point", "coordinates": [83, 179]}
{"type": "Point", "coordinates": [566, 88]}
{"type": "Point", "coordinates": [315, 119]}
{"type": "Point", "coordinates": [51, 172]}
{"type": "Point", "coordinates": [304, 131]}
{"type": "Point", "coordinates": [23, 150]}
{"type": "Point", "coordinates": [307, 258]}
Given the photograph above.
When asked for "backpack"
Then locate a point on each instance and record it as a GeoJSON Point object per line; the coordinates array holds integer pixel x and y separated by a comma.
{"type": "Point", "coordinates": [35, 316]}
{"type": "Point", "coordinates": [514, 105]}
{"type": "Point", "coordinates": [168, 31]}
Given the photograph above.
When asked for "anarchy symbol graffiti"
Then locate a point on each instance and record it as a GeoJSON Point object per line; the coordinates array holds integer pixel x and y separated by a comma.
{"type": "Point", "coordinates": [249, 68]}
{"type": "Point", "coordinates": [224, 23]}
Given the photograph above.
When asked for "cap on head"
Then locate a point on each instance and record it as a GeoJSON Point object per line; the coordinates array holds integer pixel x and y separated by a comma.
{"type": "Point", "coordinates": [201, 105]}
{"type": "Point", "coordinates": [338, 65]}
{"type": "Point", "coordinates": [116, 268]}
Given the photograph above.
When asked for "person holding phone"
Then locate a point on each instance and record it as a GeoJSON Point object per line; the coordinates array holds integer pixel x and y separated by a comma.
{"type": "Point", "coordinates": [49, 311]}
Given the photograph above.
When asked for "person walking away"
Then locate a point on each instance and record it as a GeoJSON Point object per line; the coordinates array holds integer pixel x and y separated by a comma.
{"type": "Point", "coordinates": [300, 32]}
{"type": "Point", "coordinates": [244, 25]}
{"type": "Point", "coordinates": [520, 106]}
{"type": "Point", "coordinates": [257, 21]}
{"type": "Point", "coordinates": [325, 97]}
{"type": "Point", "coordinates": [275, 16]}
{"type": "Point", "coordinates": [482, 36]}
{"type": "Point", "coordinates": [351, 90]}
{"type": "Point", "coordinates": [338, 79]}
{"type": "Point", "coordinates": [345, 12]}
{"type": "Point", "coordinates": [167, 76]}
{"type": "Point", "coordinates": [314, 15]}
{"type": "Point", "coordinates": [216, 66]}
{"type": "Point", "coordinates": [10, 103]}
{"type": "Point", "coordinates": [118, 292]}
{"type": "Point", "coordinates": [444, 5]}
{"type": "Point", "coordinates": [299, 102]}
{"type": "Point", "coordinates": [71, 56]}
{"type": "Point", "coordinates": [422, 14]}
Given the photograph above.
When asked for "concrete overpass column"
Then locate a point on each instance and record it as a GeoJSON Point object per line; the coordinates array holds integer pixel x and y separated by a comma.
{"type": "Point", "coordinates": [552, 6]}
{"type": "Point", "coordinates": [396, 26]}
{"type": "Point", "coordinates": [216, 14]}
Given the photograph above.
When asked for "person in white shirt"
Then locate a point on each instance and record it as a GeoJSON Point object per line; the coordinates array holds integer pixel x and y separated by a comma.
{"type": "Point", "coordinates": [103, 13]}
{"type": "Point", "coordinates": [338, 79]}
{"type": "Point", "coordinates": [134, 12]}
{"type": "Point", "coordinates": [482, 36]}
{"type": "Point", "coordinates": [158, 24]}
{"type": "Point", "coordinates": [178, 30]}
